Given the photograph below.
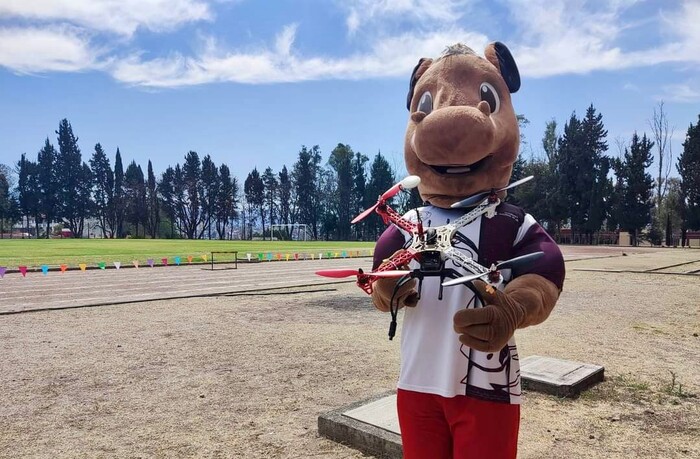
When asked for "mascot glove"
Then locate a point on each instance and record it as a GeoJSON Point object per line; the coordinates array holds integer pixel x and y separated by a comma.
{"type": "Point", "coordinates": [527, 300]}
{"type": "Point", "coordinates": [383, 289]}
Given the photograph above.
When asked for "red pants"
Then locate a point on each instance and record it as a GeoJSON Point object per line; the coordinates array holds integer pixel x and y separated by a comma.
{"type": "Point", "coordinates": [434, 427]}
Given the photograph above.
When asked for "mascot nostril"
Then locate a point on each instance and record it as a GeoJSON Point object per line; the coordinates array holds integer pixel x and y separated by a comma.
{"type": "Point", "coordinates": [484, 107]}
{"type": "Point", "coordinates": [462, 145]}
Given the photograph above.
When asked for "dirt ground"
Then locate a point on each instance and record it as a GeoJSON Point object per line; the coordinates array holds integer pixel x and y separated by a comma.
{"type": "Point", "coordinates": [247, 376]}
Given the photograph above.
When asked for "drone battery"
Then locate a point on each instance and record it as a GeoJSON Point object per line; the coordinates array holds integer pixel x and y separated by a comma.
{"type": "Point", "coordinates": [431, 261]}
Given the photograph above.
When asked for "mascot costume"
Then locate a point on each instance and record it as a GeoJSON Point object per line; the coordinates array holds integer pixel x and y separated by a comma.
{"type": "Point", "coordinates": [459, 386]}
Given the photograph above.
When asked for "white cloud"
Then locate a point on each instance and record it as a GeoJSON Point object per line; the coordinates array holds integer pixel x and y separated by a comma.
{"type": "Point", "coordinates": [429, 12]}
{"type": "Point", "coordinates": [547, 37]}
{"type": "Point", "coordinates": [123, 17]}
{"type": "Point", "coordinates": [387, 57]}
{"type": "Point", "coordinates": [560, 37]}
{"type": "Point", "coordinates": [56, 48]}
{"type": "Point", "coordinates": [688, 92]}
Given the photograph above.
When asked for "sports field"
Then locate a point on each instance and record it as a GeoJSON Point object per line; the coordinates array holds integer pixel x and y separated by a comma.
{"type": "Point", "coordinates": [53, 252]}
{"type": "Point", "coordinates": [245, 374]}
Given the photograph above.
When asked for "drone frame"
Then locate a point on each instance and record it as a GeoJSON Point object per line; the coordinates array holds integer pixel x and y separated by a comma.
{"type": "Point", "coordinates": [433, 240]}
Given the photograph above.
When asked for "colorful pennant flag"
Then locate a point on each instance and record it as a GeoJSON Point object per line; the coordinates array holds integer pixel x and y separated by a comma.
{"type": "Point", "coordinates": [269, 256]}
{"type": "Point", "coordinates": [286, 257]}
{"type": "Point", "coordinates": [164, 261]}
{"type": "Point", "coordinates": [63, 268]}
{"type": "Point", "coordinates": [344, 254]}
{"type": "Point", "coordinates": [204, 257]}
{"type": "Point", "coordinates": [102, 265]}
{"type": "Point", "coordinates": [150, 262]}
{"type": "Point", "coordinates": [82, 266]}
{"type": "Point", "coordinates": [320, 255]}
{"type": "Point", "coordinates": [117, 264]}
{"type": "Point", "coordinates": [247, 255]}
{"type": "Point", "coordinates": [136, 264]}
{"type": "Point", "coordinates": [296, 256]}
{"type": "Point", "coordinates": [189, 258]}
{"type": "Point", "coordinates": [279, 256]}
{"type": "Point", "coordinates": [177, 261]}
{"type": "Point", "coordinates": [23, 270]}
{"type": "Point", "coordinates": [45, 269]}
{"type": "Point", "coordinates": [3, 270]}
{"type": "Point", "coordinates": [260, 257]}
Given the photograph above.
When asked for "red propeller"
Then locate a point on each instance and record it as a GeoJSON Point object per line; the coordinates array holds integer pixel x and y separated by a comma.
{"type": "Point", "coordinates": [407, 183]}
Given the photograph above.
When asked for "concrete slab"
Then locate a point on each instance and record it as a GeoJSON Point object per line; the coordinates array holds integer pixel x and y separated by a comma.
{"type": "Point", "coordinates": [372, 425]}
{"type": "Point", "coordinates": [562, 378]}
{"type": "Point", "coordinates": [380, 413]}
{"type": "Point", "coordinates": [355, 427]}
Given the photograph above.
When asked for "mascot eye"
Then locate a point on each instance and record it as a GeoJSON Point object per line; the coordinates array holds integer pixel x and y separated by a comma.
{"type": "Point", "coordinates": [425, 104]}
{"type": "Point", "coordinates": [489, 94]}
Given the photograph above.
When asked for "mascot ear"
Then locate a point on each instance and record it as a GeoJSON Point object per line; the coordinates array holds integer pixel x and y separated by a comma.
{"type": "Point", "coordinates": [418, 72]}
{"type": "Point", "coordinates": [499, 55]}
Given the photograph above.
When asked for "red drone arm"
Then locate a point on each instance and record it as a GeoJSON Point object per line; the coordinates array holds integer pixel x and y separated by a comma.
{"type": "Point", "coordinates": [390, 215]}
{"type": "Point", "coordinates": [395, 262]}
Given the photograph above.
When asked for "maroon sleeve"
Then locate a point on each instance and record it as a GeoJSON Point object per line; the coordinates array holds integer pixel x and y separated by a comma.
{"type": "Point", "coordinates": [551, 265]}
{"type": "Point", "coordinates": [389, 242]}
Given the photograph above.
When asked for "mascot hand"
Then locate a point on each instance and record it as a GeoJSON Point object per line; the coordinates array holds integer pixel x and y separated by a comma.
{"type": "Point", "coordinates": [383, 289]}
{"type": "Point", "coordinates": [527, 300]}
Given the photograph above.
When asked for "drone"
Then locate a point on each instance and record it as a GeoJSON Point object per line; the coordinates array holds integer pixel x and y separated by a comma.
{"type": "Point", "coordinates": [432, 247]}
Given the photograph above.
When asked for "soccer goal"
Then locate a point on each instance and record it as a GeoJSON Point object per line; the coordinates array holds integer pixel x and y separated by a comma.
{"type": "Point", "coordinates": [291, 232]}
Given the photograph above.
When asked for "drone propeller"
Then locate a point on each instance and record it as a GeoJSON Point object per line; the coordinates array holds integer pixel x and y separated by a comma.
{"type": "Point", "coordinates": [508, 264]}
{"type": "Point", "coordinates": [339, 273]}
{"type": "Point", "coordinates": [477, 198]}
{"type": "Point", "coordinates": [407, 183]}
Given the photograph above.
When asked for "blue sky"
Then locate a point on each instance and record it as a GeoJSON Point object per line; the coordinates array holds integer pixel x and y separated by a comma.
{"type": "Point", "coordinates": [250, 81]}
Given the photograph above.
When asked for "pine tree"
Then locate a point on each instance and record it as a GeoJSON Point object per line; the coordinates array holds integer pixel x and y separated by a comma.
{"type": "Point", "coordinates": [307, 175]}
{"type": "Point", "coordinates": [285, 198]}
{"type": "Point", "coordinates": [210, 190]}
{"type": "Point", "coordinates": [9, 210]}
{"type": "Point", "coordinates": [84, 203]}
{"type": "Point", "coordinates": [359, 191]}
{"type": "Point", "coordinates": [226, 201]}
{"type": "Point", "coordinates": [70, 176]}
{"type": "Point", "coordinates": [581, 172]}
{"type": "Point", "coordinates": [167, 196]}
{"type": "Point", "coordinates": [634, 187]}
{"type": "Point", "coordinates": [48, 184]}
{"type": "Point", "coordinates": [29, 192]}
{"type": "Point", "coordinates": [135, 197]}
{"type": "Point", "coordinates": [270, 192]}
{"type": "Point", "coordinates": [689, 170]}
{"type": "Point", "coordinates": [555, 203]}
{"type": "Point", "coordinates": [191, 212]}
{"type": "Point", "coordinates": [118, 207]}
{"type": "Point", "coordinates": [103, 190]}
{"type": "Point", "coordinates": [253, 188]}
{"type": "Point", "coordinates": [381, 178]}
{"type": "Point", "coordinates": [152, 203]}
{"type": "Point", "coordinates": [340, 161]}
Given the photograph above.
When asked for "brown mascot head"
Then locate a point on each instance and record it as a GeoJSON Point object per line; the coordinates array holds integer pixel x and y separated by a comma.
{"type": "Point", "coordinates": [462, 135]}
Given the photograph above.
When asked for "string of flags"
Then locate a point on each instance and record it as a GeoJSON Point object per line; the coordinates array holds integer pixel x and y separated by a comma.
{"type": "Point", "coordinates": [177, 261]}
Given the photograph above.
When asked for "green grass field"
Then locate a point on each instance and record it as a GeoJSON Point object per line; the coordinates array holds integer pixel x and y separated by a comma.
{"type": "Point", "coordinates": [53, 252]}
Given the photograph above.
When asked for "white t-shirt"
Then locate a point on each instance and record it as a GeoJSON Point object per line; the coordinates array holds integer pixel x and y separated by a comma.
{"type": "Point", "coordinates": [432, 358]}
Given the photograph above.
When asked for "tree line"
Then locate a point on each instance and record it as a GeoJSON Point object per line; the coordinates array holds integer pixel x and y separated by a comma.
{"type": "Point", "coordinates": [579, 187]}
